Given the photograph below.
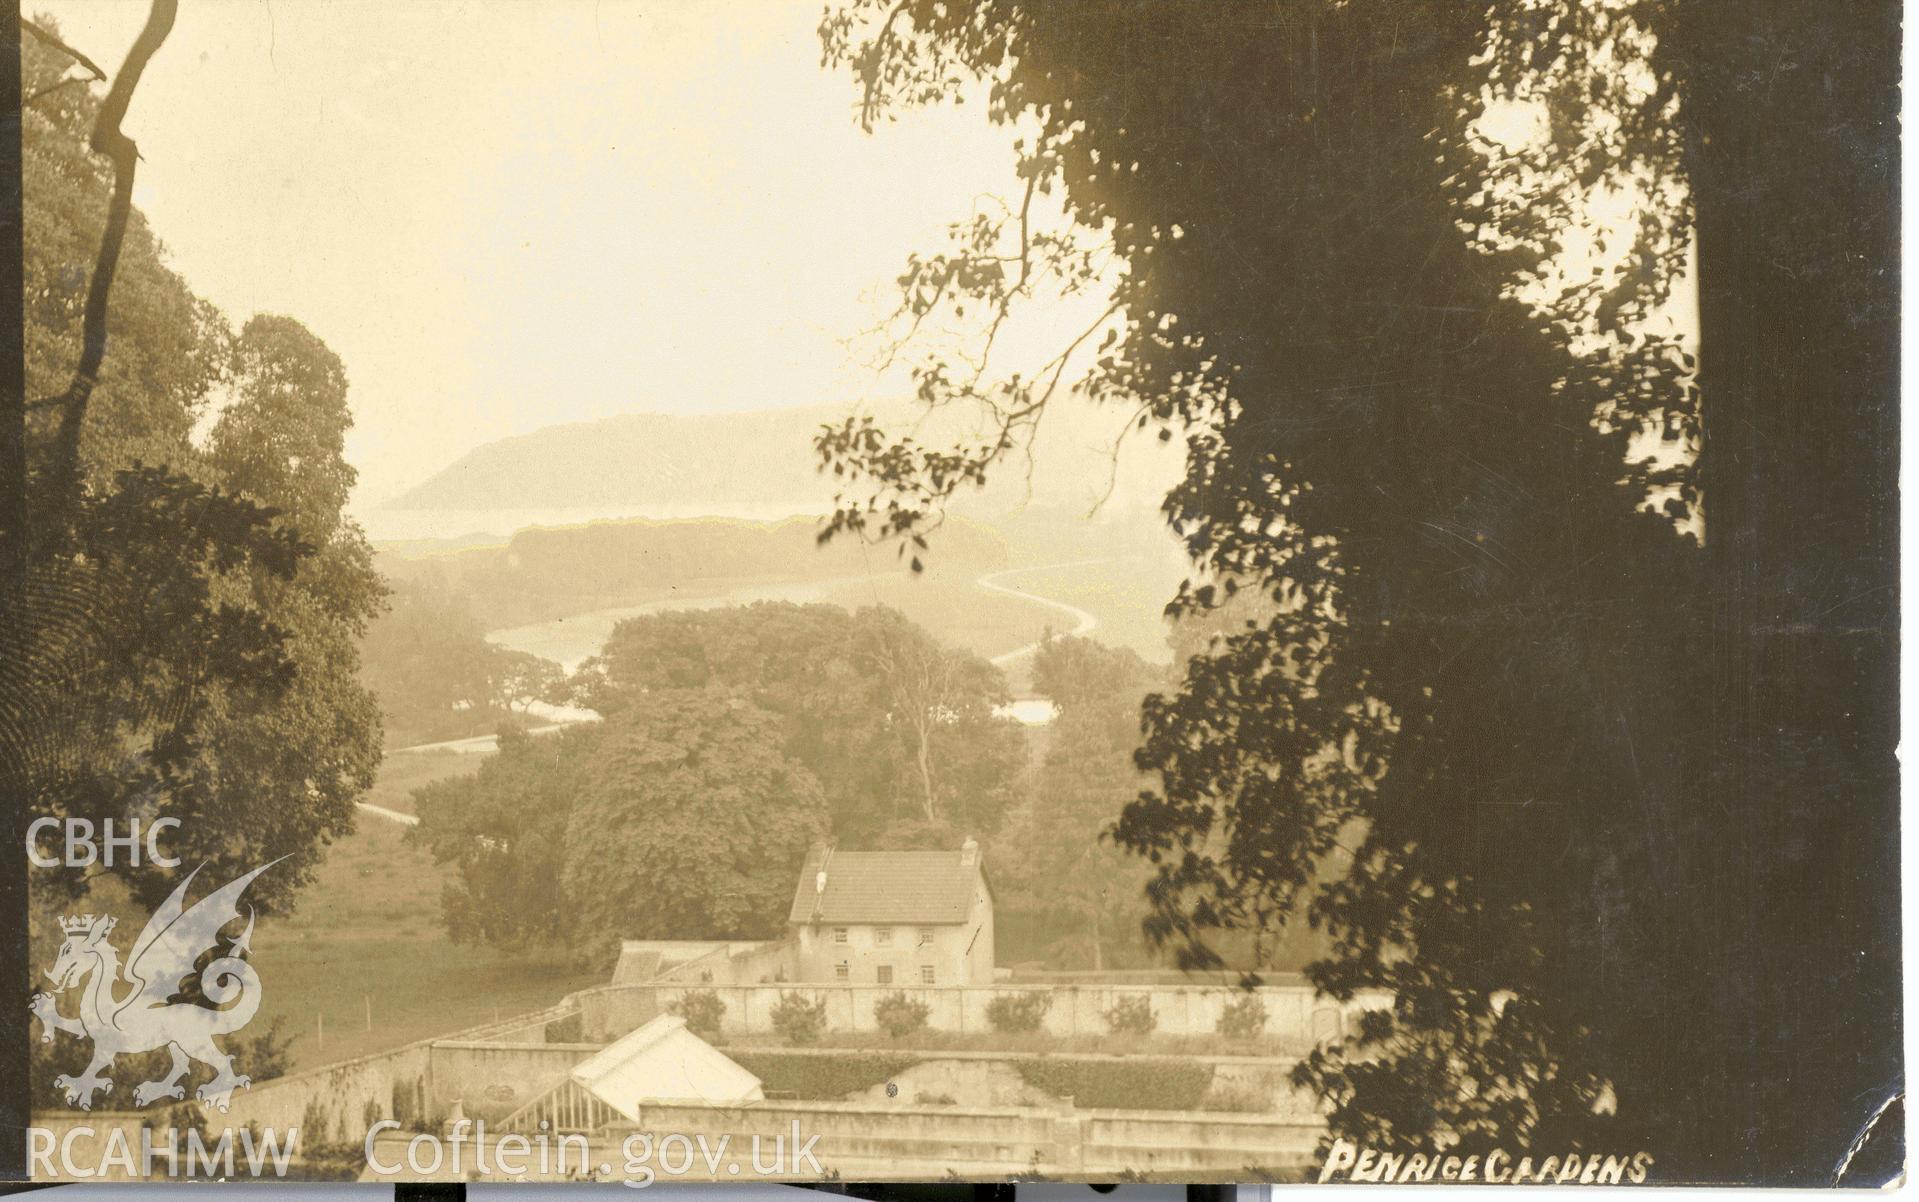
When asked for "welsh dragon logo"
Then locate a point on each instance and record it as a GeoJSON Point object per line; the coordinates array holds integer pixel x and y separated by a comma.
{"type": "Point", "coordinates": [142, 1017]}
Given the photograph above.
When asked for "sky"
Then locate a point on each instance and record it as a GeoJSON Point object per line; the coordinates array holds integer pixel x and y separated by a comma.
{"type": "Point", "coordinates": [507, 214]}
{"type": "Point", "coordinates": [503, 215]}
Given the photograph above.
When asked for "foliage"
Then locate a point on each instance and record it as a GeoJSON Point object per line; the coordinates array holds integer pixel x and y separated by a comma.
{"type": "Point", "coordinates": [899, 1015]}
{"type": "Point", "coordinates": [824, 1076]}
{"type": "Point", "coordinates": [503, 829]}
{"type": "Point", "coordinates": [1243, 1018]}
{"type": "Point", "coordinates": [799, 1018]}
{"type": "Point", "coordinates": [1233, 1099]}
{"type": "Point", "coordinates": [702, 1009]}
{"type": "Point", "coordinates": [708, 818]}
{"type": "Point", "coordinates": [1016, 1012]}
{"type": "Point", "coordinates": [187, 611]}
{"type": "Point", "coordinates": [899, 730]}
{"type": "Point", "coordinates": [689, 794]}
{"type": "Point", "coordinates": [435, 674]}
{"type": "Point", "coordinates": [408, 1103]}
{"type": "Point", "coordinates": [1054, 863]}
{"type": "Point", "coordinates": [545, 573]}
{"type": "Point", "coordinates": [1421, 444]}
{"type": "Point", "coordinates": [280, 441]}
{"type": "Point", "coordinates": [1084, 674]}
{"type": "Point", "coordinates": [1131, 1014]}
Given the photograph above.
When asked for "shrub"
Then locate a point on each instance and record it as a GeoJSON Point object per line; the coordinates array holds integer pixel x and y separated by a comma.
{"type": "Point", "coordinates": [408, 1104]}
{"type": "Point", "coordinates": [798, 1018]}
{"type": "Point", "coordinates": [1018, 1011]}
{"type": "Point", "coordinates": [702, 1009]}
{"type": "Point", "coordinates": [566, 1030]}
{"type": "Point", "coordinates": [1132, 1015]}
{"type": "Point", "coordinates": [900, 1015]}
{"type": "Point", "coordinates": [1243, 1018]}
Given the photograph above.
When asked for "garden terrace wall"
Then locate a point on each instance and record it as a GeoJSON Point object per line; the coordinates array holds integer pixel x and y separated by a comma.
{"type": "Point", "coordinates": [862, 1142]}
{"type": "Point", "coordinates": [1093, 1080]}
{"type": "Point", "coordinates": [1295, 1017]}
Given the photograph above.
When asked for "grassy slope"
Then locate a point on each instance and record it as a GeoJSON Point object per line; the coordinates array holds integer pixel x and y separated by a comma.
{"type": "Point", "coordinates": [401, 774]}
{"type": "Point", "coordinates": [957, 613]}
{"type": "Point", "coordinates": [368, 929]}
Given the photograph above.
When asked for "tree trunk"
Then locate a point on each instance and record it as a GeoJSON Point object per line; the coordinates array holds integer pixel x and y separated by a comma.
{"type": "Point", "coordinates": [924, 758]}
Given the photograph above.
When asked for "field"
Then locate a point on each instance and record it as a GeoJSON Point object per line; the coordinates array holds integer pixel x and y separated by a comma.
{"type": "Point", "coordinates": [364, 965]}
{"type": "Point", "coordinates": [1127, 594]}
{"type": "Point", "coordinates": [956, 611]}
{"type": "Point", "coordinates": [401, 774]}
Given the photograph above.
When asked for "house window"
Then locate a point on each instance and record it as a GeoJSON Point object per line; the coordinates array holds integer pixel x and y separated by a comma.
{"type": "Point", "coordinates": [926, 936]}
{"type": "Point", "coordinates": [839, 934]}
{"type": "Point", "coordinates": [841, 972]}
{"type": "Point", "coordinates": [883, 936]}
{"type": "Point", "coordinates": [886, 974]}
{"type": "Point", "coordinates": [926, 974]}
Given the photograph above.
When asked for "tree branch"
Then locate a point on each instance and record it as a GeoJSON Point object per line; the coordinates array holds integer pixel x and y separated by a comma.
{"type": "Point", "coordinates": [125, 156]}
{"type": "Point", "coordinates": [47, 38]}
{"type": "Point", "coordinates": [53, 87]}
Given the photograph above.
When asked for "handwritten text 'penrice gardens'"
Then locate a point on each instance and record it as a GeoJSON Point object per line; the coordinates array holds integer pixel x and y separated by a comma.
{"type": "Point", "coordinates": [1347, 1161]}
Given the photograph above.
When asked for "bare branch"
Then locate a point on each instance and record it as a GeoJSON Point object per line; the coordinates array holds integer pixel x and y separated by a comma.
{"type": "Point", "coordinates": [125, 156]}
{"type": "Point", "coordinates": [42, 35]}
{"type": "Point", "coordinates": [51, 88]}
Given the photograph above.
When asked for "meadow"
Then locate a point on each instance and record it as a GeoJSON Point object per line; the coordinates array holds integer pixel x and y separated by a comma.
{"type": "Point", "coordinates": [403, 772]}
{"type": "Point", "coordinates": [363, 964]}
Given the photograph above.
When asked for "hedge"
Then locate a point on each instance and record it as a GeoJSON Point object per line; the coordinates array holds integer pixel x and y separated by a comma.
{"type": "Point", "coordinates": [823, 1078]}
{"type": "Point", "coordinates": [1145, 1083]}
{"type": "Point", "coordinates": [1141, 1083]}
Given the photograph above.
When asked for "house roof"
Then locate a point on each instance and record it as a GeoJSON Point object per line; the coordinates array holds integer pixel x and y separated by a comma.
{"type": "Point", "coordinates": [910, 888]}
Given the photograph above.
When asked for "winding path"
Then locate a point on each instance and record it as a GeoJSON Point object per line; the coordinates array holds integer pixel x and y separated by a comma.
{"type": "Point", "coordinates": [1085, 622]}
{"type": "Point", "coordinates": [389, 815]}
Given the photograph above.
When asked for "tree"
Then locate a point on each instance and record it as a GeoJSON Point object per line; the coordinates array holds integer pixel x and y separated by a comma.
{"type": "Point", "coordinates": [901, 733]}
{"type": "Point", "coordinates": [681, 818]}
{"type": "Point", "coordinates": [1495, 640]}
{"type": "Point", "coordinates": [280, 442]}
{"type": "Point", "coordinates": [435, 674]}
{"type": "Point", "coordinates": [520, 679]}
{"type": "Point", "coordinates": [941, 705]}
{"type": "Point", "coordinates": [1056, 863]}
{"type": "Point", "coordinates": [178, 644]}
{"type": "Point", "coordinates": [1789, 147]}
{"type": "Point", "coordinates": [693, 824]}
{"type": "Point", "coordinates": [504, 830]}
{"type": "Point", "coordinates": [429, 663]}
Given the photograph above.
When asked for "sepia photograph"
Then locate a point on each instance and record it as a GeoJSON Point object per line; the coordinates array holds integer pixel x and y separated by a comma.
{"type": "Point", "coordinates": [981, 593]}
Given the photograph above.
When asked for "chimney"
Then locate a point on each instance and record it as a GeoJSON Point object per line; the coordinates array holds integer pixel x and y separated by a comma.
{"type": "Point", "coordinates": [969, 852]}
{"type": "Point", "coordinates": [819, 879]}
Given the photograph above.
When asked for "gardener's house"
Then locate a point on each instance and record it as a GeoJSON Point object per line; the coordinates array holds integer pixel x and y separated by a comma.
{"type": "Point", "coordinates": [900, 918]}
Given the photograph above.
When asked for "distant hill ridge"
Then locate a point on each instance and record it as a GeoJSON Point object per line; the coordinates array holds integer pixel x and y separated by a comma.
{"type": "Point", "coordinates": [636, 458]}
{"type": "Point", "coordinates": [762, 459]}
